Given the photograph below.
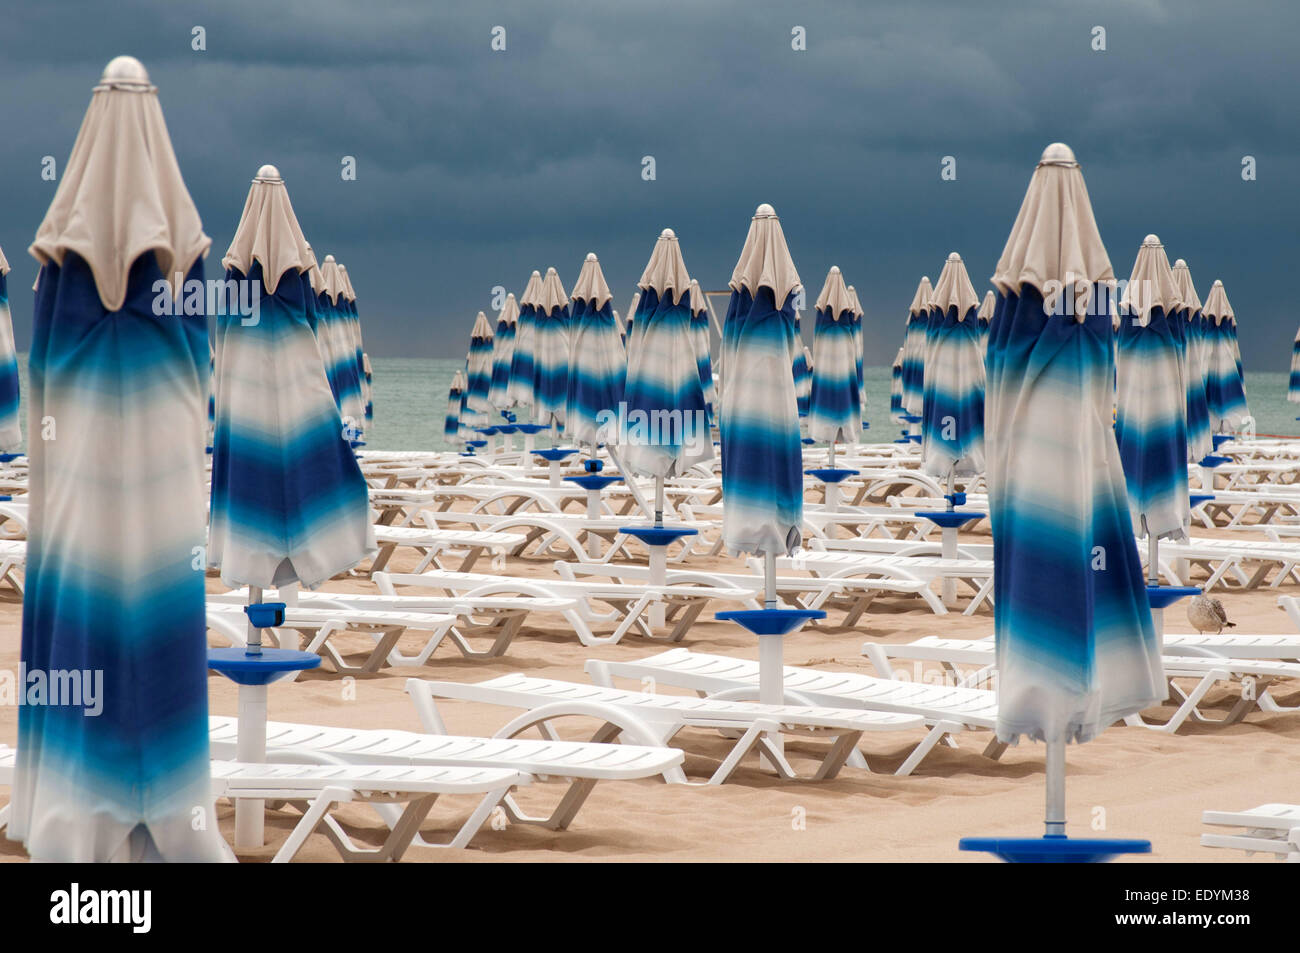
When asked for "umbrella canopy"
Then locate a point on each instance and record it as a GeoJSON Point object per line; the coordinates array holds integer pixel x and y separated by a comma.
{"type": "Point", "coordinates": [762, 478]}
{"type": "Point", "coordinates": [984, 317]}
{"type": "Point", "coordinates": [503, 350]}
{"type": "Point", "coordinates": [700, 328]}
{"type": "Point", "coordinates": [801, 369]}
{"type": "Point", "coordinates": [368, 387]}
{"type": "Point", "coordinates": [112, 600]}
{"type": "Point", "coordinates": [1195, 364]}
{"type": "Point", "coordinates": [332, 321]}
{"type": "Point", "coordinates": [1076, 649]}
{"type": "Point", "coordinates": [629, 329]}
{"type": "Point", "coordinates": [835, 406]}
{"type": "Point", "coordinates": [857, 351]}
{"type": "Point", "coordinates": [1151, 396]}
{"type": "Point", "coordinates": [480, 371]}
{"type": "Point", "coordinates": [914, 341]}
{"type": "Point", "coordinates": [520, 389]}
{"type": "Point", "coordinates": [455, 401]}
{"type": "Point", "coordinates": [289, 503]}
{"type": "Point", "coordinates": [11, 433]}
{"type": "Point", "coordinates": [1293, 387]}
{"type": "Point", "coordinates": [551, 352]}
{"type": "Point", "coordinates": [1225, 382]}
{"type": "Point", "coordinates": [597, 360]}
{"type": "Point", "coordinates": [896, 387]}
{"type": "Point", "coordinates": [668, 427]}
{"type": "Point", "coordinates": [952, 428]}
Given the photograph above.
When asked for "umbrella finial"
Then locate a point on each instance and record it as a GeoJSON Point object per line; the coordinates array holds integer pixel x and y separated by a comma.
{"type": "Point", "coordinates": [125, 72]}
{"type": "Point", "coordinates": [1058, 153]}
{"type": "Point", "coordinates": [591, 256]}
{"type": "Point", "coordinates": [1180, 263]}
{"type": "Point", "coordinates": [268, 173]}
{"type": "Point", "coordinates": [953, 256]}
{"type": "Point", "coordinates": [668, 233]}
{"type": "Point", "coordinates": [1218, 283]}
{"type": "Point", "coordinates": [835, 269]}
{"type": "Point", "coordinates": [330, 259]}
{"type": "Point", "coordinates": [1151, 239]}
{"type": "Point", "coordinates": [549, 271]}
{"type": "Point", "coordinates": [765, 211]}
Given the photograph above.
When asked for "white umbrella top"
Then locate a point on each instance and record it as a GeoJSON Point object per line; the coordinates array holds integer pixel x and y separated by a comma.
{"type": "Point", "coordinates": [348, 293]}
{"type": "Point", "coordinates": [765, 258]}
{"type": "Point", "coordinates": [122, 149]}
{"type": "Point", "coordinates": [1054, 241]}
{"type": "Point", "coordinates": [269, 232]}
{"type": "Point", "coordinates": [509, 311]}
{"type": "Point", "coordinates": [666, 270]}
{"type": "Point", "coordinates": [987, 306]}
{"type": "Point", "coordinates": [591, 286]}
{"type": "Point", "coordinates": [857, 304]}
{"type": "Point", "coordinates": [1186, 287]}
{"type": "Point", "coordinates": [1217, 306]}
{"type": "Point", "coordinates": [835, 296]}
{"type": "Point", "coordinates": [921, 300]}
{"type": "Point", "coordinates": [551, 295]}
{"type": "Point", "coordinates": [698, 302]}
{"type": "Point", "coordinates": [4, 263]}
{"type": "Point", "coordinates": [1152, 284]}
{"type": "Point", "coordinates": [482, 329]}
{"type": "Point", "coordinates": [531, 290]}
{"type": "Point", "coordinates": [953, 289]}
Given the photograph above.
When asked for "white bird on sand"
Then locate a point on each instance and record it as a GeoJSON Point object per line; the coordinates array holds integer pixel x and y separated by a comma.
{"type": "Point", "coordinates": [1207, 615]}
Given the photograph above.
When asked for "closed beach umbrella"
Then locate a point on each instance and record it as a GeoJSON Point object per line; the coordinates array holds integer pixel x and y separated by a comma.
{"type": "Point", "coordinates": [914, 343]}
{"type": "Point", "coordinates": [629, 326]}
{"type": "Point", "coordinates": [332, 323]}
{"type": "Point", "coordinates": [368, 387]}
{"type": "Point", "coordinates": [503, 350]}
{"type": "Point", "coordinates": [1293, 387]}
{"type": "Point", "coordinates": [11, 434]}
{"type": "Point", "coordinates": [835, 410]}
{"type": "Point", "coordinates": [455, 400]}
{"type": "Point", "coordinates": [1076, 649]}
{"type": "Point", "coordinates": [700, 329]}
{"type": "Point", "coordinates": [667, 416]}
{"type": "Point", "coordinates": [1195, 364]}
{"type": "Point", "coordinates": [1226, 386]}
{"type": "Point", "coordinates": [985, 315]}
{"type": "Point", "coordinates": [597, 361]}
{"type": "Point", "coordinates": [112, 597]}
{"type": "Point", "coordinates": [551, 353]}
{"type": "Point", "coordinates": [352, 327]}
{"type": "Point", "coordinates": [801, 369]}
{"type": "Point", "coordinates": [857, 352]}
{"type": "Point", "coordinates": [520, 389]}
{"type": "Point", "coordinates": [762, 479]}
{"type": "Point", "coordinates": [952, 431]}
{"type": "Point", "coordinates": [1151, 398]}
{"type": "Point", "coordinates": [480, 372]}
{"type": "Point", "coordinates": [289, 503]}
{"type": "Point", "coordinates": [896, 387]}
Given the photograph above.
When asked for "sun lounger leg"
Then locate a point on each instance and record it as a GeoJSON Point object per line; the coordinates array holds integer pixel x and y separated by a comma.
{"type": "Point", "coordinates": [940, 729]}
{"type": "Point", "coordinates": [841, 750]}
{"type": "Point", "coordinates": [316, 811]}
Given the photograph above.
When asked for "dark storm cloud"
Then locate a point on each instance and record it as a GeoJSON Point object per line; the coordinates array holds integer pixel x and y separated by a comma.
{"type": "Point", "coordinates": [475, 167]}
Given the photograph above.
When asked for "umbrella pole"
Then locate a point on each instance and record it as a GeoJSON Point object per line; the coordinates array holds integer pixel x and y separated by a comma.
{"type": "Point", "coordinates": [659, 501]}
{"type": "Point", "coordinates": [254, 639]}
{"type": "Point", "coordinates": [771, 658]}
{"type": "Point", "coordinates": [832, 491]}
{"type": "Point", "coordinates": [1054, 820]}
{"type": "Point", "coordinates": [1153, 558]}
{"type": "Point", "coordinates": [948, 549]}
{"type": "Point", "coordinates": [250, 741]}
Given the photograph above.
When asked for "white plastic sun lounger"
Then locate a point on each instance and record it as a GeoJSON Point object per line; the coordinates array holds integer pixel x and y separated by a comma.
{"type": "Point", "coordinates": [654, 720]}
{"type": "Point", "coordinates": [1267, 829]}
{"type": "Point", "coordinates": [571, 529]}
{"type": "Point", "coordinates": [316, 789]}
{"type": "Point", "coordinates": [975, 573]}
{"type": "Point", "coordinates": [947, 709]}
{"type": "Point", "coordinates": [629, 604]}
{"type": "Point", "coordinates": [1226, 560]}
{"type": "Point", "coordinates": [498, 617]}
{"type": "Point", "coordinates": [13, 559]}
{"type": "Point", "coordinates": [1253, 675]}
{"type": "Point", "coordinates": [807, 592]}
{"type": "Point", "coordinates": [469, 545]}
{"type": "Point", "coordinates": [581, 764]}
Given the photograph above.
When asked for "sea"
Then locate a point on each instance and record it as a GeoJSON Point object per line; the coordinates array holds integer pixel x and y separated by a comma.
{"type": "Point", "coordinates": [410, 402]}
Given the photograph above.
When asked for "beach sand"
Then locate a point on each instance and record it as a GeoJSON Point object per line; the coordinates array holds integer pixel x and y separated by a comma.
{"type": "Point", "coordinates": [1129, 782]}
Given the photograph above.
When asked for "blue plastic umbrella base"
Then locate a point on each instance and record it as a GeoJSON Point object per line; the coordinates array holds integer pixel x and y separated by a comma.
{"type": "Point", "coordinates": [770, 621]}
{"type": "Point", "coordinates": [1055, 850]}
{"type": "Point", "coordinates": [593, 482]}
{"type": "Point", "coordinates": [553, 454]}
{"type": "Point", "coordinates": [1161, 597]}
{"type": "Point", "coordinates": [246, 668]}
{"type": "Point", "coordinates": [831, 474]}
{"type": "Point", "coordinates": [950, 519]}
{"type": "Point", "coordinates": [1196, 499]}
{"type": "Point", "coordinates": [659, 535]}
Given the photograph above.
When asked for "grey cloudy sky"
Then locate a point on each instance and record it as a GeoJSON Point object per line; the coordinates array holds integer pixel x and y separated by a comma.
{"type": "Point", "coordinates": [475, 167]}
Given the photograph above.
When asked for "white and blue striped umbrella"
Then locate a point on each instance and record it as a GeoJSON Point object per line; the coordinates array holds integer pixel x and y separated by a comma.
{"type": "Point", "coordinates": [801, 369]}
{"type": "Point", "coordinates": [368, 387]}
{"type": "Point", "coordinates": [1151, 397]}
{"type": "Point", "coordinates": [762, 465]}
{"type": "Point", "coordinates": [629, 326]}
{"type": "Point", "coordinates": [455, 402]}
{"type": "Point", "coordinates": [289, 503]}
{"type": "Point", "coordinates": [334, 336]}
{"type": "Point", "coordinates": [952, 426]}
{"type": "Point", "coordinates": [1226, 385]}
{"type": "Point", "coordinates": [520, 389]}
{"type": "Point", "coordinates": [113, 597]}
{"type": "Point", "coordinates": [1076, 648]}
{"type": "Point", "coordinates": [1293, 386]}
{"type": "Point", "coordinates": [668, 426]}
{"type": "Point", "coordinates": [896, 387]}
{"type": "Point", "coordinates": [984, 317]}
{"type": "Point", "coordinates": [857, 353]}
{"type": "Point", "coordinates": [551, 352]}
{"type": "Point", "coordinates": [597, 360]}
{"type": "Point", "coordinates": [356, 414]}
{"type": "Point", "coordinates": [1195, 364]}
{"type": "Point", "coordinates": [11, 433]}
{"type": "Point", "coordinates": [700, 329]}
{"type": "Point", "coordinates": [479, 368]}
{"type": "Point", "coordinates": [835, 404]}
{"type": "Point", "coordinates": [503, 350]}
{"type": "Point", "coordinates": [914, 344]}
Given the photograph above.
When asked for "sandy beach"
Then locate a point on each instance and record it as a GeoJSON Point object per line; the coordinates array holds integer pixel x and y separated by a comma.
{"type": "Point", "coordinates": [1130, 782]}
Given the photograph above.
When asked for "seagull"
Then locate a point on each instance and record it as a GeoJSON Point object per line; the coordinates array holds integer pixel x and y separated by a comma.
{"type": "Point", "coordinates": [1207, 615]}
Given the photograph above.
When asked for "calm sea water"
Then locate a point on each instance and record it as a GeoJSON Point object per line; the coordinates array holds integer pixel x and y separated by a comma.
{"type": "Point", "coordinates": [410, 396]}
